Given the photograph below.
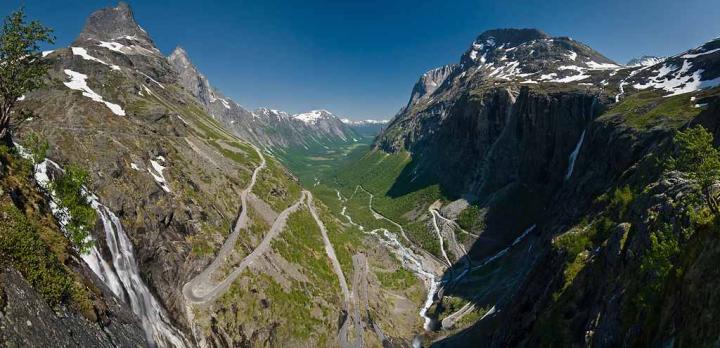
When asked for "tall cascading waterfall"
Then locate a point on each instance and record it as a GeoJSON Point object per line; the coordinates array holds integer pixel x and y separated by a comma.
{"type": "Point", "coordinates": [123, 277]}
{"type": "Point", "coordinates": [573, 157]}
{"type": "Point", "coordinates": [576, 151]}
{"type": "Point", "coordinates": [155, 321]}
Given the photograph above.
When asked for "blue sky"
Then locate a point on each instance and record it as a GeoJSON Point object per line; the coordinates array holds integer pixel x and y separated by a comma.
{"type": "Point", "coordinates": [361, 58]}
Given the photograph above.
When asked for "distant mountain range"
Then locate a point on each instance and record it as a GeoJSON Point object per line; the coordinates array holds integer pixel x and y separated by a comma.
{"type": "Point", "coordinates": [366, 128]}
{"type": "Point", "coordinates": [264, 127]}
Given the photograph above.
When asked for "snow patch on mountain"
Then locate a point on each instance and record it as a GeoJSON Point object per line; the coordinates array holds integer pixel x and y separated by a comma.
{"type": "Point", "coordinates": [78, 82]}
{"type": "Point", "coordinates": [82, 52]}
{"type": "Point", "coordinates": [698, 54]}
{"type": "Point", "coordinates": [270, 113]}
{"type": "Point", "coordinates": [157, 172]}
{"type": "Point", "coordinates": [601, 66]}
{"type": "Point", "coordinates": [676, 80]}
{"type": "Point", "coordinates": [125, 49]}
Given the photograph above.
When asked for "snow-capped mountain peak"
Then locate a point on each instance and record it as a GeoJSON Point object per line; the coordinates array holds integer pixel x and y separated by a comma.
{"type": "Point", "coordinates": [644, 61]}
{"type": "Point", "coordinates": [314, 116]}
{"type": "Point", "coordinates": [690, 71]}
{"type": "Point", "coordinates": [271, 113]}
{"type": "Point", "coordinates": [531, 56]}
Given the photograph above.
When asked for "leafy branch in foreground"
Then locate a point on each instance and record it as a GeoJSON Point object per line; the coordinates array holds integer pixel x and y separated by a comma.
{"type": "Point", "coordinates": [21, 67]}
{"type": "Point", "coordinates": [68, 189]}
{"type": "Point", "coordinates": [697, 157]}
{"type": "Point", "coordinates": [37, 146]}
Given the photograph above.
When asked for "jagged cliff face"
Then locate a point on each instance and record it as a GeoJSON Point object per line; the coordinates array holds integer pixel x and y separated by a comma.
{"type": "Point", "coordinates": [264, 127]}
{"type": "Point", "coordinates": [498, 102]}
{"type": "Point", "coordinates": [191, 79]}
{"type": "Point", "coordinates": [520, 91]}
{"type": "Point", "coordinates": [166, 169]}
{"type": "Point", "coordinates": [533, 131]}
{"type": "Point", "coordinates": [430, 81]}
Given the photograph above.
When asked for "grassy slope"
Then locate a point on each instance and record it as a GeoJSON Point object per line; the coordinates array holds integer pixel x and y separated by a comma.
{"type": "Point", "coordinates": [648, 109]}
{"type": "Point", "coordinates": [32, 243]}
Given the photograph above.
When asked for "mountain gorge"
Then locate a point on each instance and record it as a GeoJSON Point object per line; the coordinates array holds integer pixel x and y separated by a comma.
{"type": "Point", "coordinates": [531, 194]}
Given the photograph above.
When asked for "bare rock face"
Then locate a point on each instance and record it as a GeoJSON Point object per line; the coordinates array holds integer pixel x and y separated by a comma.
{"type": "Point", "coordinates": [113, 23]}
{"type": "Point", "coordinates": [27, 321]}
{"type": "Point", "coordinates": [431, 81]}
{"type": "Point", "coordinates": [189, 77]}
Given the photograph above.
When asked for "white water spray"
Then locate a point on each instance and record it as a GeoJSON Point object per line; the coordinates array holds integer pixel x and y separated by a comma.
{"type": "Point", "coordinates": [573, 156]}
{"type": "Point", "coordinates": [123, 278]}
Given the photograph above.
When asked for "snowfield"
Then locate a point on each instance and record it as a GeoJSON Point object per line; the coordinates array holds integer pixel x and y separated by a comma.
{"type": "Point", "coordinates": [312, 116]}
{"type": "Point", "coordinates": [79, 51]}
{"type": "Point", "coordinates": [677, 81]}
{"type": "Point", "coordinates": [78, 82]}
{"type": "Point", "coordinates": [157, 173]}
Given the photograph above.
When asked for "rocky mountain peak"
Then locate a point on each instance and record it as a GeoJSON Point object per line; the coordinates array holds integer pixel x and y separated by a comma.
{"type": "Point", "coordinates": [189, 77]}
{"type": "Point", "coordinates": [113, 23]}
{"type": "Point", "coordinates": [271, 113]}
{"type": "Point", "coordinates": [180, 55]}
{"type": "Point", "coordinates": [510, 37]}
{"type": "Point", "coordinates": [430, 81]}
{"type": "Point", "coordinates": [532, 56]}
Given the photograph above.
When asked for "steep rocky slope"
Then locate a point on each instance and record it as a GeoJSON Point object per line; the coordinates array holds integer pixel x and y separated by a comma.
{"type": "Point", "coordinates": [500, 163]}
{"type": "Point", "coordinates": [177, 195]}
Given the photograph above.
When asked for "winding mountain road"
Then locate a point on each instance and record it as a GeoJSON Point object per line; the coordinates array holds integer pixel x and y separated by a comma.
{"type": "Point", "coordinates": [440, 237]}
{"type": "Point", "coordinates": [424, 266]}
{"type": "Point", "coordinates": [330, 251]}
{"type": "Point", "coordinates": [457, 248]}
{"type": "Point", "coordinates": [198, 290]}
{"type": "Point", "coordinates": [201, 289]}
{"type": "Point", "coordinates": [453, 318]}
{"type": "Point", "coordinates": [378, 216]}
{"type": "Point", "coordinates": [455, 224]}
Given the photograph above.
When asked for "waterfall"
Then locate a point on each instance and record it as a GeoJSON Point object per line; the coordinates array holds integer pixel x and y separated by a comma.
{"type": "Point", "coordinates": [123, 277]}
{"type": "Point", "coordinates": [155, 321]}
{"type": "Point", "coordinates": [573, 156]}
